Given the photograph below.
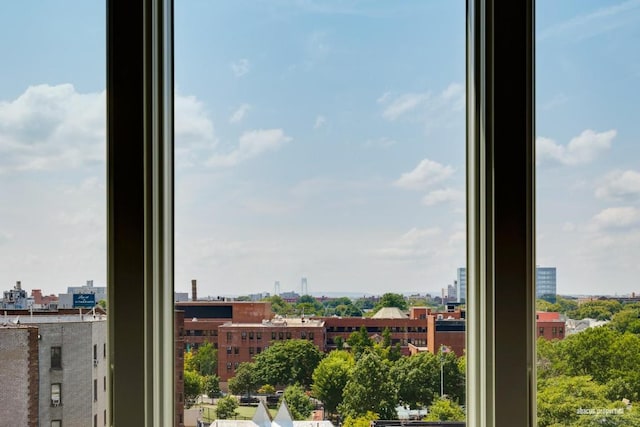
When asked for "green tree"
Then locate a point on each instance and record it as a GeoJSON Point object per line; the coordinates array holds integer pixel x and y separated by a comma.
{"type": "Point", "coordinates": [370, 388]}
{"type": "Point", "coordinates": [627, 320]}
{"type": "Point", "coordinates": [418, 379]}
{"type": "Point", "coordinates": [600, 310]}
{"type": "Point", "coordinates": [298, 402]}
{"type": "Point", "coordinates": [245, 381]}
{"type": "Point", "coordinates": [364, 303]}
{"type": "Point", "coordinates": [444, 409]}
{"type": "Point", "coordinates": [331, 377]}
{"type": "Point", "coordinates": [192, 386]}
{"type": "Point", "coordinates": [267, 389]}
{"type": "Point", "coordinates": [226, 408]}
{"type": "Point", "coordinates": [103, 303]}
{"type": "Point", "coordinates": [561, 398]}
{"type": "Point", "coordinates": [287, 363]}
{"type": "Point", "coordinates": [360, 341]}
{"type": "Point", "coordinates": [205, 360]}
{"type": "Point", "coordinates": [361, 421]}
{"type": "Point", "coordinates": [211, 385]}
{"type": "Point", "coordinates": [279, 306]}
{"type": "Point", "coordinates": [392, 300]}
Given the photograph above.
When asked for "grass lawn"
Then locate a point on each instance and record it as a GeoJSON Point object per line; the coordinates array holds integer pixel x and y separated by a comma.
{"type": "Point", "coordinates": [244, 412]}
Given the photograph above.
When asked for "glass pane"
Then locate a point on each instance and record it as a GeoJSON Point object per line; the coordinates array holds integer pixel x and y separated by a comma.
{"type": "Point", "coordinates": [320, 173]}
{"type": "Point", "coordinates": [588, 212]}
{"type": "Point", "coordinates": [52, 212]}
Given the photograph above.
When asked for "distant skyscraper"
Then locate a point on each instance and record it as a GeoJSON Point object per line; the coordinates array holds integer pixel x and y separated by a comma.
{"type": "Point", "coordinates": [546, 283]}
{"type": "Point", "coordinates": [461, 285]}
{"type": "Point", "coordinates": [304, 289]}
{"type": "Point", "coordinates": [451, 292]}
{"type": "Point", "coordinates": [276, 288]}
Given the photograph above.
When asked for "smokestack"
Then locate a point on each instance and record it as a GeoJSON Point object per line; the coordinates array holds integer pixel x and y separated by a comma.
{"type": "Point", "coordinates": [18, 286]}
{"type": "Point", "coordinates": [194, 290]}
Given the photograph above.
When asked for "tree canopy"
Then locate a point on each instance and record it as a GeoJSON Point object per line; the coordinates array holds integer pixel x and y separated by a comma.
{"type": "Point", "coordinates": [331, 377]}
{"type": "Point", "coordinates": [298, 402]}
{"type": "Point", "coordinates": [287, 363]}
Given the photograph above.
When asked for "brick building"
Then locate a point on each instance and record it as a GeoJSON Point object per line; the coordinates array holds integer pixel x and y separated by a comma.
{"type": "Point", "coordinates": [19, 375]}
{"type": "Point", "coordinates": [549, 325]}
{"type": "Point", "coordinates": [240, 342]}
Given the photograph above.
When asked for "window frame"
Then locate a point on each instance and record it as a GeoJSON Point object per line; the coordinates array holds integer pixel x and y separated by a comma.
{"type": "Point", "coordinates": [500, 213]}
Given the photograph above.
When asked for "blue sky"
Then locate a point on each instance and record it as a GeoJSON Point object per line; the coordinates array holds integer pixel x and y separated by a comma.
{"type": "Point", "coordinates": [319, 139]}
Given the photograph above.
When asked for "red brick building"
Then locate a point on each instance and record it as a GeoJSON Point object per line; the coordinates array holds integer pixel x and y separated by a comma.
{"type": "Point", "coordinates": [240, 342]}
{"type": "Point", "coordinates": [550, 326]}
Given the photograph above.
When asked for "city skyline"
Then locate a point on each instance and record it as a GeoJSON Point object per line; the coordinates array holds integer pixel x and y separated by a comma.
{"type": "Point", "coordinates": [317, 142]}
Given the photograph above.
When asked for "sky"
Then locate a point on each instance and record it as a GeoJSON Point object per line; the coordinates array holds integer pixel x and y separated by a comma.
{"type": "Point", "coordinates": [322, 140]}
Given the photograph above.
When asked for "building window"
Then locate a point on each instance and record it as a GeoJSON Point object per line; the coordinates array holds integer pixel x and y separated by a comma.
{"type": "Point", "coordinates": [95, 352]}
{"type": "Point", "coordinates": [228, 336]}
{"type": "Point", "coordinates": [561, 331]}
{"type": "Point", "coordinates": [228, 366]}
{"type": "Point", "coordinates": [251, 350]}
{"type": "Point", "coordinates": [310, 335]}
{"type": "Point", "coordinates": [258, 335]}
{"type": "Point", "coordinates": [235, 366]}
{"type": "Point", "coordinates": [554, 331]}
{"type": "Point", "coordinates": [105, 383]}
{"type": "Point", "coordinates": [236, 350]}
{"type": "Point", "coordinates": [104, 350]}
{"type": "Point", "coordinates": [541, 331]}
{"type": "Point", "coordinates": [56, 394]}
{"type": "Point", "coordinates": [250, 335]}
{"type": "Point", "coordinates": [56, 357]}
{"type": "Point", "coordinates": [243, 335]}
{"type": "Point", "coordinates": [95, 392]}
{"type": "Point", "coordinates": [105, 417]}
{"type": "Point", "coordinates": [56, 423]}
{"type": "Point", "coordinates": [95, 420]}
{"type": "Point", "coordinates": [228, 350]}
{"type": "Point", "coordinates": [258, 350]}
{"type": "Point", "coordinates": [280, 335]}
{"type": "Point", "coordinates": [273, 335]}
{"type": "Point", "coordinates": [303, 335]}
{"type": "Point", "coordinates": [288, 335]}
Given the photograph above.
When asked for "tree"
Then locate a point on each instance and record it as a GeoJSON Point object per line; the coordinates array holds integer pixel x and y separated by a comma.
{"type": "Point", "coordinates": [287, 363]}
{"type": "Point", "coordinates": [205, 360]}
{"type": "Point", "coordinates": [211, 385]}
{"type": "Point", "coordinates": [339, 342]}
{"type": "Point", "coordinates": [360, 341]}
{"type": "Point", "coordinates": [279, 306]}
{"type": "Point", "coordinates": [444, 409]}
{"type": "Point", "coordinates": [361, 421]}
{"type": "Point", "coordinates": [298, 402]}
{"type": "Point", "coordinates": [600, 310]}
{"type": "Point", "coordinates": [267, 389]}
{"type": "Point", "coordinates": [226, 408]}
{"type": "Point", "coordinates": [364, 303]}
{"type": "Point", "coordinates": [192, 386]}
{"type": "Point", "coordinates": [245, 380]}
{"type": "Point", "coordinates": [627, 320]}
{"type": "Point", "coordinates": [370, 388]}
{"type": "Point", "coordinates": [392, 300]}
{"type": "Point", "coordinates": [331, 377]}
{"type": "Point", "coordinates": [103, 303]}
{"type": "Point", "coordinates": [418, 379]}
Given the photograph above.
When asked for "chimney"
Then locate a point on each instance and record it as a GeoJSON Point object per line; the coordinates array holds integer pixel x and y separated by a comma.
{"type": "Point", "coordinates": [18, 286]}
{"type": "Point", "coordinates": [194, 290]}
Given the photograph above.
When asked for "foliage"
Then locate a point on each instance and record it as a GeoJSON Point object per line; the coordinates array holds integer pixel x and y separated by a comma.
{"type": "Point", "coordinates": [370, 388]}
{"type": "Point", "coordinates": [600, 310]}
{"type": "Point", "coordinates": [211, 385]}
{"type": "Point", "coordinates": [386, 349]}
{"type": "Point", "coordinates": [279, 306]}
{"type": "Point", "coordinates": [360, 341]}
{"type": "Point", "coordinates": [361, 421]}
{"type": "Point", "coordinates": [192, 385]}
{"type": "Point", "coordinates": [392, 300]}
{"type": "Point", "coordinates": [331, 377]}
{"type": "Point", "coordinates": [205, 360]}
{"type": "Point", "coordinates": [226, 408]}
{"type": "Point", "coordinates": [245, 380]}
{"type": "Point", "coordinates": [267, 389]}
{"type": "Point", "coordinates": [418, 379]}
{"type": "Point", "coordinates": [298, 402]}
{"type": "Point", "coordinates": [287, 363]}
{"type": "Point", "coordinates": [364, 303]}
{"type": "Point", "coordinates": [627, 320]}
{"type": "Point", "coordinates": [445, 409]}
{"type": "Point", "coordinates": [339, 342]}
{"type": "Point", "coordinates": [103, 303]}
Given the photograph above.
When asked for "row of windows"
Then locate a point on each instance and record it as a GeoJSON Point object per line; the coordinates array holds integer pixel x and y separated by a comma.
{"type": "Point", "coordinates": [377, 329]}
{"type": "Point", "coordinates": [555, 331]}
{"type": "Point", "coordinates": [56, 391]}
{"type": "Point", "coordinates": [56, 355]}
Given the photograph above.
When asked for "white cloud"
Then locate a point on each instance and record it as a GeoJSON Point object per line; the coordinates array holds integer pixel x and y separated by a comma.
{"type": "Point", "coordinates": [251, 144]}
{"type": "Point", "coordinates": [240, 67]}
{"type": "Point", "coordinates": [582, 149]}
{"type": "Point", "coordinates": [403, 105]}
{"type": "Point", "coordinates": [619, 185]}
{"type": "Point", "coordinates": [417, 243]}
{"type": "Point", "coordinates": [195, 136]}
{"type": "Point", "coordinates": [426, 174]}
{"type": "Point", "coordinates": [424, 106]}
{"type": "Point", "coordinates": [320, 121]}
{"type": "Point", "coordinates": [52, 128]}
{"type": "Point", "coordinates": [615, 218]}
{"type": "Point", "coordinates": [239, 114]}
{"type": "Point", "coordinates": [445, 195]}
